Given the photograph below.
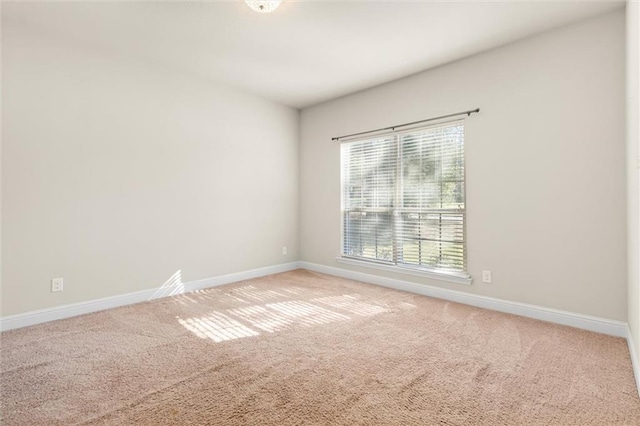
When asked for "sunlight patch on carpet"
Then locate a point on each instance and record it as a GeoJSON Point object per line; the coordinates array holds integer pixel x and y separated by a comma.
{"type": "Point", "coordinates": [307, 314]}
{"type": "Point", "coordinates": [217, 327]}
{"type": "Point", "coordinates": [269, 318]}
{"type": "Point", "coordinates": [263, 318]}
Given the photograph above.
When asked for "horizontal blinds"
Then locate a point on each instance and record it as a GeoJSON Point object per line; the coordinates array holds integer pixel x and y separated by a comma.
{"type": "Point", "coordinates": [430, 225]}
{"type": "Point", "coordinates": [369, 190]}
{"type": "Point", "coordinates": [369, 173]}
{"type": "Point", "coordinates": [403, 198]}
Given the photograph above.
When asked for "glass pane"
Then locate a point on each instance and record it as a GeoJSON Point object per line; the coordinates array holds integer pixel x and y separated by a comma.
{"type": "Point", "coordinates": [432, 168]}
{"type": "Point", "coordinates": [452, 195]}
{"type": "Point", "coordinates": [369, 235]}
{"type": "Point", "coordinates": [433, 254]}
{"type": "Point", "coordinates": [369, 174]}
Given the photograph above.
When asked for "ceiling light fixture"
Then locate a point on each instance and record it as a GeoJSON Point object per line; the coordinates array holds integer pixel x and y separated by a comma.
{"type": "Point", "coordinates": [263, 6]}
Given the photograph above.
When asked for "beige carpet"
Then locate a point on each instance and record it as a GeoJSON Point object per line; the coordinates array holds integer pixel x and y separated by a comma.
{"type": "Point", "coordinates": [302, 348]}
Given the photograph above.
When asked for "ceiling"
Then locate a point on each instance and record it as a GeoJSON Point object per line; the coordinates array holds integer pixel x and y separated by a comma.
{"type": "Point", "coordinates": [305, 52]}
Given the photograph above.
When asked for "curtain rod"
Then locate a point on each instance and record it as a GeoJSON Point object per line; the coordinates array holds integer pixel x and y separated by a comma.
{"type": "Point", "coordinates": [392, 128]}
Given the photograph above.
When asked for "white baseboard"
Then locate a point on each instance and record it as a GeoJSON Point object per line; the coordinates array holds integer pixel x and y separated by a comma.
{"type": "Point", "coordinates": [586, 322]}
{"type": "Point", "coordinates": [66, 311]}
{"type": "Point", "coordinates": [600, 325]}
{"type": "Point", "coordinates": [635, 362]}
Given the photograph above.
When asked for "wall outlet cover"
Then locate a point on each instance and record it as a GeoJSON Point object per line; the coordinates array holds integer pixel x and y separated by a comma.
{"type": "Point", "coordinates": [57, 284]}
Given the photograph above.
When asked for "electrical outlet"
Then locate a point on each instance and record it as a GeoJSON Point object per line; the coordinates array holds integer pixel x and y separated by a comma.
{"type": "Point", "coordinates": [284, 250]}
{"type": "Point", "coordinates": [486, 276]}
{"type": "Point", "coordinates": [57, 284]}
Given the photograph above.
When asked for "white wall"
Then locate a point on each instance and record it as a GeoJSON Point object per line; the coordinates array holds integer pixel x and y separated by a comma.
{"type": "Point", "coordinates": [546, 197]}
{"type": "Point", "coordinates": [633, 164]}
{"type": "Point", "coordinates": [116, 174]}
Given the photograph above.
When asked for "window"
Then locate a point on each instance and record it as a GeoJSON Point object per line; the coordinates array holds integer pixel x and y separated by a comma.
{"type": "Point", "coordinates": [403, 199]}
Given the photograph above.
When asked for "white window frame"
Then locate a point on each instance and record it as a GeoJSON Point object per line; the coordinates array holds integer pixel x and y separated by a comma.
{"type": "Point", "coordinates": [459, 277]}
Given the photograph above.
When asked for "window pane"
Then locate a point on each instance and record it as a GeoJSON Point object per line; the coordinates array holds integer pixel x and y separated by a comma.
{"type": "Point", "coordinates": [434, 240]}
{"type": "Point", "coordinates": [432, 162]}
{"type": "Point", "coordinates": [369, 174]}
{"type": "Point", "coordinates": [434, 254]}
{"type": "Point", "coordinates": [452, 195]}
{"type": "Point", "coordinates": [430, 230]}
{"type": "Point", "coordinates": [368, 235]}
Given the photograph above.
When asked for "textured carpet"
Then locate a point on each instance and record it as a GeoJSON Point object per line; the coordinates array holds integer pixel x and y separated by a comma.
{"type": "Point", "coordinates": [305, 348]}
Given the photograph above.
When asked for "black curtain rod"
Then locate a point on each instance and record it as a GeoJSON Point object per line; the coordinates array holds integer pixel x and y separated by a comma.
{"type": "Point", "coordinates": [392, 128]}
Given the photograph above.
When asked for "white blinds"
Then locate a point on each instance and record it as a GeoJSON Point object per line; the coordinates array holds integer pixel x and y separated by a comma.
{"type": "Point", "coordinates": [403, 198]}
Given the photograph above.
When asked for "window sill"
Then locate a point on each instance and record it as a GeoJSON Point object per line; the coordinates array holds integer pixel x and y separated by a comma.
{"type": "Point", "coordinates": [458, 278]}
